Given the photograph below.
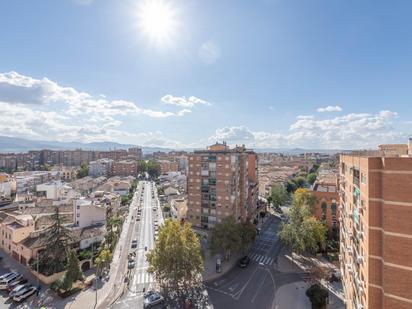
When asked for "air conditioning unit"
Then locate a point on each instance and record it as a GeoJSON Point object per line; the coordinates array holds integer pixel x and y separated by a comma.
{"type": "Point", "coordinates": [359, 259]}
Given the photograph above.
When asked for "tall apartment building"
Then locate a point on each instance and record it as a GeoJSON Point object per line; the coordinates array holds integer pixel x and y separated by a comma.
{"type": "Point", "coordinates": [376, 228]}
{"type": "Point", "coordinates": [124, 168]}
{"type": "Point", "coordinates": [221, 182]}
{"type": "Point", "coordinates": [101, 167]}
{"type": "Point", "coordinates": [136, 153]}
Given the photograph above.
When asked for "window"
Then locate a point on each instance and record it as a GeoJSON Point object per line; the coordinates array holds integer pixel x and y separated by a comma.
{"type": "Point", "coordinates": [324, 206]}
{"type": "Point", "coordinates": [363, 178]}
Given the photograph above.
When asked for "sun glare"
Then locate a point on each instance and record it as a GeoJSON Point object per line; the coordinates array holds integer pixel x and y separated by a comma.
{"type": "Point", "coordinates": [158, 21]}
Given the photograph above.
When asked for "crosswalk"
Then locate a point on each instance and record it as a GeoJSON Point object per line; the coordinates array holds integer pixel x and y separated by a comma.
{"type": "Point", "coordinates": [261, 258]}
{"type": "Point", "coordinates": [141, 278]}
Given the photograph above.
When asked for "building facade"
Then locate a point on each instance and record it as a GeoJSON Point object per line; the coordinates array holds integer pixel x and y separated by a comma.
{"type": "Point", "coordinates": [376, 230]}
{"type": "Point", "coordinates": [221, 182]}
{"type": "Point", "coordinates": [101, 167]}
{"type": "Point", "coordinates": [124, 168]}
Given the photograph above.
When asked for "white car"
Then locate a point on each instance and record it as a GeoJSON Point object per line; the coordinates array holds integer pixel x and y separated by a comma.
{"type": "Point", "coordinates": [5, 282]}
{"type": "Point", "coordinates": [6, 275]}
{"type": "Point", "coordinates": [25, 294]}
{"type": "Point", "coordinates": [19, 290]}
{"type": "Point", "coordinates": [152, 300]}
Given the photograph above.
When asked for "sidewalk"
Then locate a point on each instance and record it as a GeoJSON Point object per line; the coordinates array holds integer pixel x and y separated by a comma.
{"type": "Point", "coordinates": [309, 263]}
{"type": "Point", "coordinates": [113, 288]}
{"type": "Point", "coordinates": [210, 273]}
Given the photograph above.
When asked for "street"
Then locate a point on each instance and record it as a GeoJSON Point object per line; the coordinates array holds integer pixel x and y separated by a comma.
{"type": "Point", "coordinates": [254, 286]}
{"type": "Point", "coordinates": [143, 231]}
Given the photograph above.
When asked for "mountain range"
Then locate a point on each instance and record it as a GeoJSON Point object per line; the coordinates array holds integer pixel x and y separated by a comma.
{"type": "Point", "coordinates": [16, 144]}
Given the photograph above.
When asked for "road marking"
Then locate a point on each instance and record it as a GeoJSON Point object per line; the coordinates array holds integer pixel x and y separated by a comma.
{"type": "Point", "coordinates": [233, 287]}
{"type": "Point", "coordinates": [258, 289]}
{"type": "Point", "coordinates": [238, 294]}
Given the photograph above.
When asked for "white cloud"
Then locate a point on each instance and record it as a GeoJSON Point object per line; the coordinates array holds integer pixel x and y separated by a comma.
{"type": "Point", "coordinates": [44, 110]}
{"type": "Point", "coordinates": [329, 109]}
{"type": "Point", "coordinates": [349, 131]}
{"type": "Point", "coordinates": [209, 52]}
{"type": "Point", "coordinates": [20, 89]}
{"type": "Point", "coordinates": [182, 101]}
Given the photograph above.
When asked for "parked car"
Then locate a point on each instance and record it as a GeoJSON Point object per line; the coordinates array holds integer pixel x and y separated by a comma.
{"type": "Point", "coordinates": [19, 289]}
{"type": "Point", "coordinates": [152, 300]}
{"type": "Point", "coordinates": [6, 275]}
{"type": "Point", "coordinates": [15, 283]}
{"type": "Point", "coordinates": [5, 282]}
{"type": "Point", "coordinates": [131, 264]}
{"type": "Point", "coordinates": [244, 262]}
{"type": "Point", "coordinates": [20, 297]}
{"type": "Point", "coordinates": [134, 243]}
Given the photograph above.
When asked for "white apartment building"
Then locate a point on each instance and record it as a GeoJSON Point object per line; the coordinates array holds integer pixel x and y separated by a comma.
{"type": "Point", "coordinates": [57, 191]}
{"type": "Point", "coordinates": [101, 167]}
{"type": "Point", "coordinates": [88, 212]}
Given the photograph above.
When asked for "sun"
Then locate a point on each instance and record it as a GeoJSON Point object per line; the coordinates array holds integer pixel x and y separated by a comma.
{"type": "Point", "coordinates": [157, 20]}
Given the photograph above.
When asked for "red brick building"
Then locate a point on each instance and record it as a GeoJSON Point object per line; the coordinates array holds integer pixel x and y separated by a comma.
{"type": "Point", "coordinates": [376, 229]}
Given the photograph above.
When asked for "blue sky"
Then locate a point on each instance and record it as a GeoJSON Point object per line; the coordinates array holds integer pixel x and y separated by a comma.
{"type": "Point", "coordinates": [267, 73]}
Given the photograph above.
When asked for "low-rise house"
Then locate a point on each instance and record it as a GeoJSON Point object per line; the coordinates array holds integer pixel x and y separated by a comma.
{"type": "Point", "coordinates": [13, 229]}
{"type": "Point", "coordinates": [56, 191]}
{"type": "Point", "coordinates": [87, 184]}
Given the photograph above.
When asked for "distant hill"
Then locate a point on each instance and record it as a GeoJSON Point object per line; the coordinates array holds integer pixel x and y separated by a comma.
{"type": "Point", "coordinates": [14, 144]}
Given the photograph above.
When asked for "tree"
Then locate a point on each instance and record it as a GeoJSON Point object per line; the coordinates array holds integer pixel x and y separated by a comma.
{"type": "Point", "coordinates": [318, 296]}
{"type": "Point", "coordinates": [305, 197]}
{"type": "Point", "coordinates": [73, 272]}
{"type": "Point", "coordinates": [176, 261]}
{"type": "Point", "coordinates": [278, 195]}
{"type": "Point", "coordinates": [311, 178]}
{"type": "Point", "coordinates": [153, 168]}
{"type": "Point", "coordinates": [103, 259]}
{"type": "Point", "coordinates": [83, 171]}
{"type": "Point", "coordinates": [225, 237]}
{"type": "Point", "coordinates": [141, 166]}
{"type": "Point", "coordinates": [57, 239]}
{"type": "Point", "coordinates": [303, 232]}
{"type": "Point", "coordinates": [247, 232]}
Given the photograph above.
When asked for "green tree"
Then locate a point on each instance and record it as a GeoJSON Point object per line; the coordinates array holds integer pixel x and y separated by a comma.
{"type": "Point", "coordinates": [311, 178]}
{"type": "Point", "coordinates": [278, 195]}
{"type": "Point", "coordinates": [303, 232]}
{"type": "Point", "coordinates": [176, 261]}
{"type": "Point", "coordinates": [318, 296]}
{"type": "Point", "coordinates": [247, 232]}
{"type": "Point", "coordinates": [57, 239]}
{"type": "Point", "coordinates": [73, 272]}
{"type": "Point", "coordinates": [83, 171]}
{"type": "Point", "coordinates": [141, 166]}
{"type": "Point", "coordinates": [303, 196]}
{"type": "Point", "coordinates": [103, 259]}
{"type": "Point", "coordinates": [225, 237]}
{"type": "Point", "coordinates": [153, 168]}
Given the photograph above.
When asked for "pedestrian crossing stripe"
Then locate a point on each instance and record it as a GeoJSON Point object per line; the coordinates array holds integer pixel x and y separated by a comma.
{"type": "Point", "coordinates": [261, 258]}
{"type": "Point", "coordinates": [142, 278]}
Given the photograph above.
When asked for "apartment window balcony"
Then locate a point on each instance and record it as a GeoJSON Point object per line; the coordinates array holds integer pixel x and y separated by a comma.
{"type": "Point", "coordinates": [204, 173]}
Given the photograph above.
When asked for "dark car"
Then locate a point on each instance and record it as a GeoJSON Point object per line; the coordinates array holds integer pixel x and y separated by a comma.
{"type": "Point", "coordinates": [244, 262]}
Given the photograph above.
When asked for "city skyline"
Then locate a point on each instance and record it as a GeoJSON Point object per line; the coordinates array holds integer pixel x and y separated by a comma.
{"type": "Point", "coordinates": [183, 75]}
